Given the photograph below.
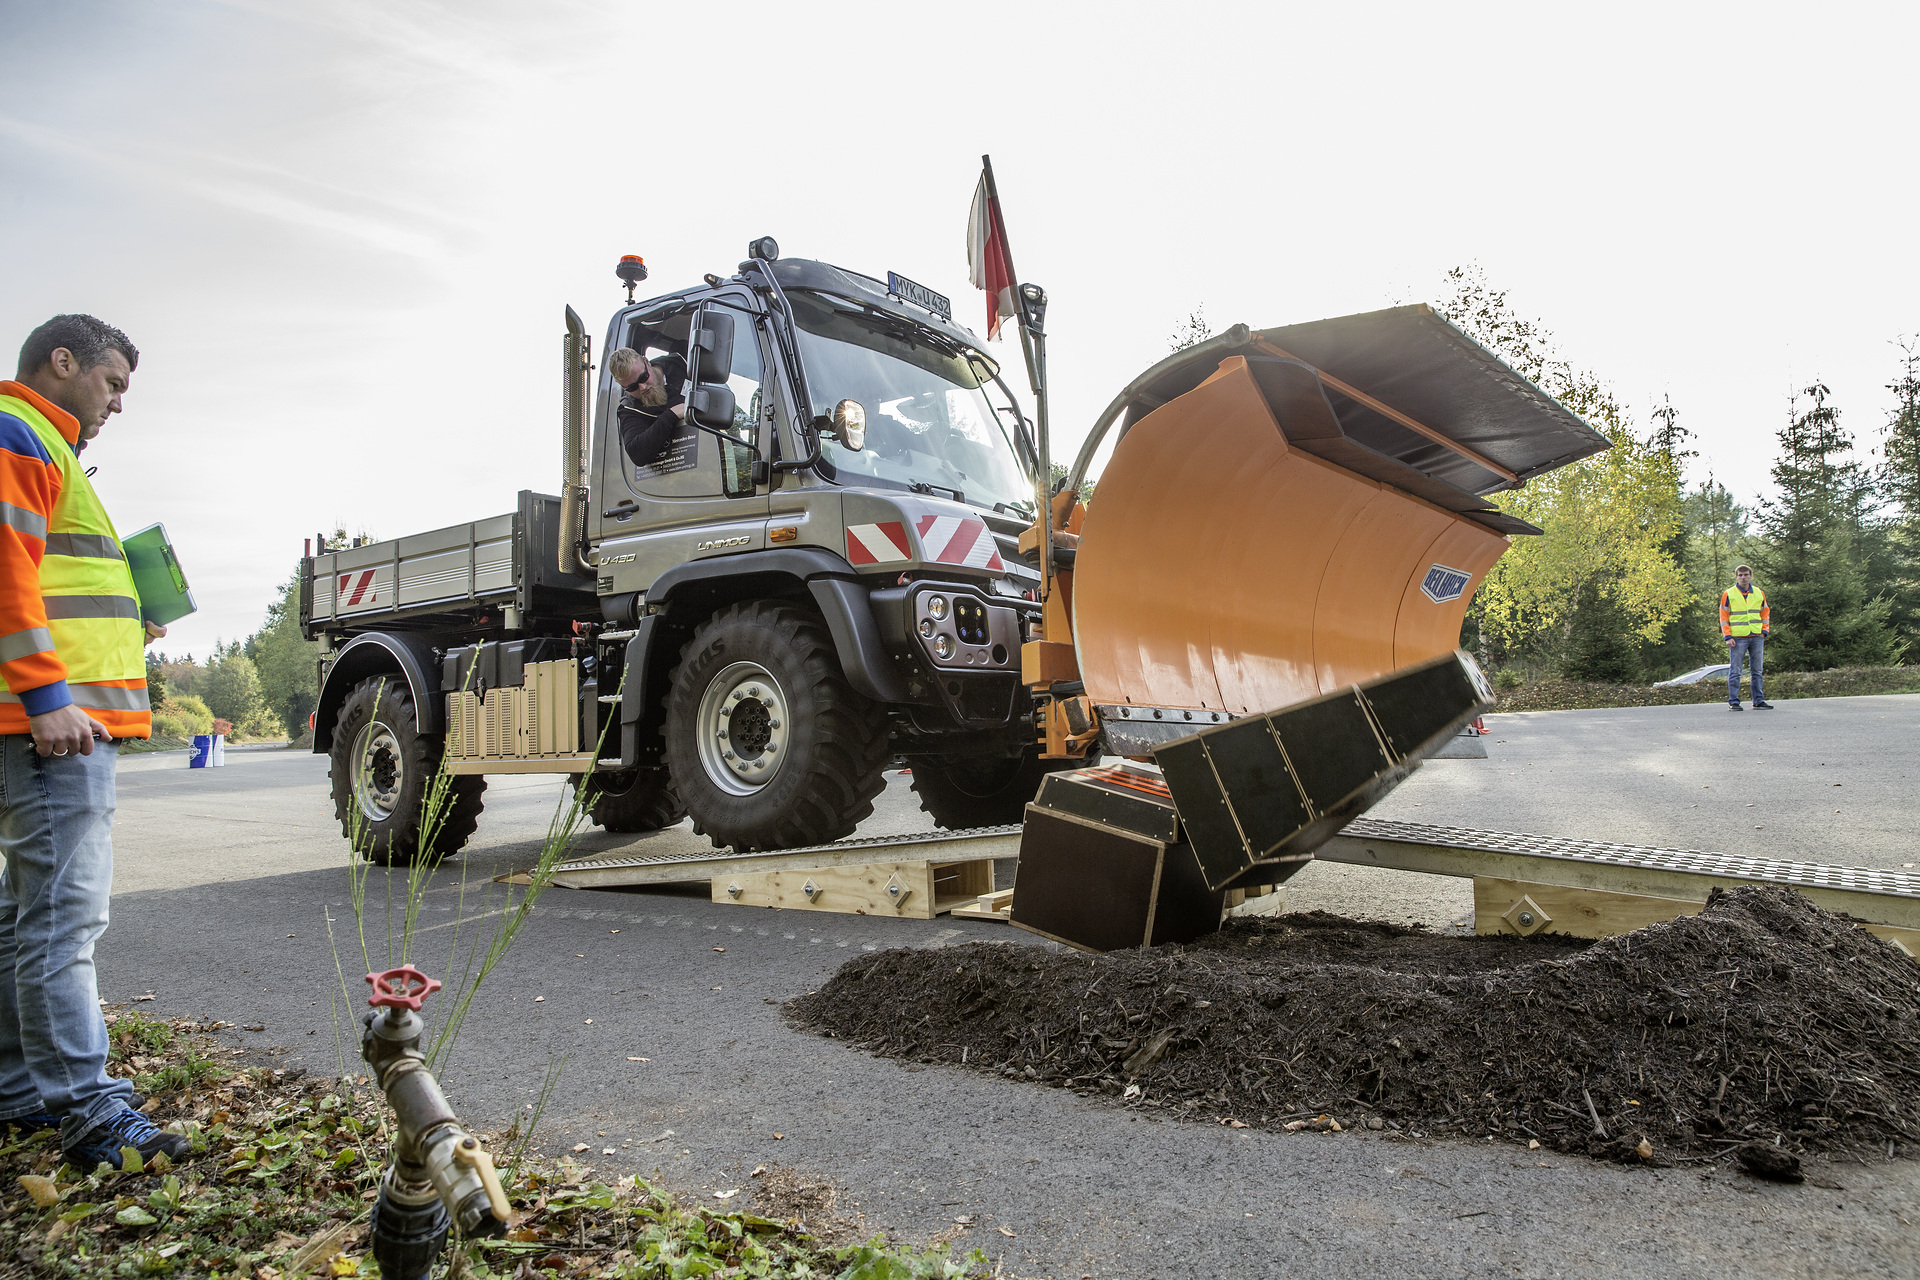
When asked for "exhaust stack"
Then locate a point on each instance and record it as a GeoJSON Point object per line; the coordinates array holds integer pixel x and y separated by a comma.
{"type": "Point", "coordinates": [576, 361]}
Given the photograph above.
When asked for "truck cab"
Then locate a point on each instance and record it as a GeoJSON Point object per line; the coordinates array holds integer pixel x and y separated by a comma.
{"type": "Point", "coordinates": [818, 576]}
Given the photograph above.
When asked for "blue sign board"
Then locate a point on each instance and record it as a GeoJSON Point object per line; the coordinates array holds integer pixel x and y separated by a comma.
{"type": "Point", "coordinates": [1443, 584]}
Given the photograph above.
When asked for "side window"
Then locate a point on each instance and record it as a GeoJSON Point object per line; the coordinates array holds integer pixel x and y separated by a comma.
{"type": "Point", "coordinates": [736, 460]}
{"type": "Point", "coordinates": [699, 464]}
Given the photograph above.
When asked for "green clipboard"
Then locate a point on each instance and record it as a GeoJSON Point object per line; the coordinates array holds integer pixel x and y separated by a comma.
{"type": "Point", "coordinates": [164, 596]}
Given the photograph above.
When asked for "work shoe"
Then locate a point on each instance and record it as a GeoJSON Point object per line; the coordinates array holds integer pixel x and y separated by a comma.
{"type": "Point", "coordinates": [102, 1143]}
{"type": "Point", "coordinates": [1763, 706]}
{"type": "Point", "coordinates": [33, 1122]}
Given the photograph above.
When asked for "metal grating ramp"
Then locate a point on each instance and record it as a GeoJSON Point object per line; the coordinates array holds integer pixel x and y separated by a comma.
{"type": "Point", "coordinates": [1885, 897]}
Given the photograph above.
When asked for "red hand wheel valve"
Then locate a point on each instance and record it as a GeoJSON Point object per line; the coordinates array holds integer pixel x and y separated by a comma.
{"type": "Point", "coordinates": [402, 988]}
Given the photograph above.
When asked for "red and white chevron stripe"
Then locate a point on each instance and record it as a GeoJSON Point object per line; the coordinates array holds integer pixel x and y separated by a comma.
{"type": "Point", "coordinates": [360, 593]}
{"type": "Point", "coordinates": [959, 540]}
{"type": "Point", "coordinates": [882, 543]}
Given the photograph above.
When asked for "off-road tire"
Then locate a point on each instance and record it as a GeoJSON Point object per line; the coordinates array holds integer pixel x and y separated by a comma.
{"type": "Point", "coordinates": [633, 799]}
{"type": "Point", "coordinates": [833, 744]}
{"type": "Point", "coordinates": [972, 792]}
{"type": "Point", "coordinates": [378, 735]}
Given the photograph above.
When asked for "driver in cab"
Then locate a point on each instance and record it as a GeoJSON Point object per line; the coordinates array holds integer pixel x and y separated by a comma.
{"type": "Point", "coordinates": [652, 408]}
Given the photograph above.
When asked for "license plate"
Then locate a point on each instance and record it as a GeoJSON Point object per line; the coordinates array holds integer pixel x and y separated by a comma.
{"type": "Point", "coordinates": [919, 295]}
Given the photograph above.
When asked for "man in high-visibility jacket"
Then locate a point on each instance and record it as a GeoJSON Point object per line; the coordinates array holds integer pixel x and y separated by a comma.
{"type": "Point", "coordinates": [71, 654]}
{"type": "Point", "coordinates": [1746, 621]}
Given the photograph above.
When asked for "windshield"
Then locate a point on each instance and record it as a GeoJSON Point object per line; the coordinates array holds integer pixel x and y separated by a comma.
{"type": "Point", "coordinates": [928, 420]}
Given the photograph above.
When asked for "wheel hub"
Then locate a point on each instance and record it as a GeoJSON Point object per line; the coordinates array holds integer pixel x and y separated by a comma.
{"type": "Point", "coordinates": [377, 771]}
{"type": "Point", "coordinates": [742, 728]}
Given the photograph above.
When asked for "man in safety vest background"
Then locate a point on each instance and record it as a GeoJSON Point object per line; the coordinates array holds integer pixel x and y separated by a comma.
{"type": "Point", "coordinates": [1746, 622]}
{"type": "Point", "coordinates": [72, 656]}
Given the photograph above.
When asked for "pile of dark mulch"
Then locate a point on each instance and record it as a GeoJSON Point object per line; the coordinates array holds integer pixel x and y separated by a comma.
{"type": "Point", "coordinates": [1762, 1018]}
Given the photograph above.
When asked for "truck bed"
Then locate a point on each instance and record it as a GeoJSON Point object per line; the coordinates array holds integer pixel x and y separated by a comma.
{"type": "Point", "coordinates": [489, 564]}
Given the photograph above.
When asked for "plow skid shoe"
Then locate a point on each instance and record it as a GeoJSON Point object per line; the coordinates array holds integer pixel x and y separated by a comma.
{"type": "Point", "coordinates": [1257, 796]}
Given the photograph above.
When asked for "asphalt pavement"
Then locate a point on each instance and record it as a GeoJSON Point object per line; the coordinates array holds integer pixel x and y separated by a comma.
{"type": "Point", "coordinates": [666, 1007]}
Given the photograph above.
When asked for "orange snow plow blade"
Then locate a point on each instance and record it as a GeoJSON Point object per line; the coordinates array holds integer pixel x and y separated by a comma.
{"type": "Point", "coordinates": [1272, 532]}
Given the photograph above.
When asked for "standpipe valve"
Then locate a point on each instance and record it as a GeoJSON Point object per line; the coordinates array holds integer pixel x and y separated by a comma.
{"type": "Point", "coordinates": [440, 1173]}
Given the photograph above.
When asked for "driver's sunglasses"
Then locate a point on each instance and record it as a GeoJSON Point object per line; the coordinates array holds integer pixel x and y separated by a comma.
{"type": "Point", "coordinates": [635, 385]}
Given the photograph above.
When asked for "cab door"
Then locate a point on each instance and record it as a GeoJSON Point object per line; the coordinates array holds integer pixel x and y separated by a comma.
{"type": "Point", "coordinates": [699, 498]}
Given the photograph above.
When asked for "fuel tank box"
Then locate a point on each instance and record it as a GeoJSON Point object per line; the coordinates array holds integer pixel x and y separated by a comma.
{"type": "Point", "coordinates": [501, 665]}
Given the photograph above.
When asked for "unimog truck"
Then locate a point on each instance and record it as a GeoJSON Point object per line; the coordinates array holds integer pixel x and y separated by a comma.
{"type": "Point", "coordinates": [819, 577]}
{"type": "Point", "coordinates": [840, 563]}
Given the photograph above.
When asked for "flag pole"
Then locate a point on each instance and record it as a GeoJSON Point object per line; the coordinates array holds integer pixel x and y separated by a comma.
{"type": "Point", "coordinates": [1033, 347]}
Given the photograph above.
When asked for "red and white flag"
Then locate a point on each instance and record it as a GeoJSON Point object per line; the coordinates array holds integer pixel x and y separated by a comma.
{"type": "Point", "coordinates": [989, 263]}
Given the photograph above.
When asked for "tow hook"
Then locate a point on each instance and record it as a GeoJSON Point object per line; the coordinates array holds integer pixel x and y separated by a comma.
{"type": "Point", "coordinates": [440, 1173]}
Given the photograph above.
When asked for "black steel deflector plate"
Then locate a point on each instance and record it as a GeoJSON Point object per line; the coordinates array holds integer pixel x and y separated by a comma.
{"type": "Point", "coordinates": [1259, 795]}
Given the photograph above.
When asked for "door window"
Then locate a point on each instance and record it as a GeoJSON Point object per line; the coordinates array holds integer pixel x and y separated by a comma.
{"type": "Point", "coordinates": [700, 464]}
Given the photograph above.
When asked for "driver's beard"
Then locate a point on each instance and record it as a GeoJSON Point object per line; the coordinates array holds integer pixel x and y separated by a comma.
{"type": "Point", "coordinates": [654, 394]}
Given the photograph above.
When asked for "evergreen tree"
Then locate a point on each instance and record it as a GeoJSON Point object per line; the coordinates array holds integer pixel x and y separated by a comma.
{"type": "Point", "coordinates": [1602, 643]}
{"type": "Point", "coordinates": [1811, 563]}
{"type": "Point", "coordinates": [1899, 482]}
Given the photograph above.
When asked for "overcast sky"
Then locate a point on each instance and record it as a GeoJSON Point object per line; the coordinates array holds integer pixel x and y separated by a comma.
{"type": "Point", "coordinates": [342, 233]}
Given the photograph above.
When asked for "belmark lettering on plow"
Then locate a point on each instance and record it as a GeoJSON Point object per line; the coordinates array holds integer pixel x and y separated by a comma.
{"type": "Point", "coordinates": [1443, 584]}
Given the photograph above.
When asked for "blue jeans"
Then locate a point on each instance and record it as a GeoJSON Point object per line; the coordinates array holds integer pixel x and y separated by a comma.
{"type": "Point", "coordinates": [56, 825]}
{"type": "Point", "coordinates": [1755, 650]}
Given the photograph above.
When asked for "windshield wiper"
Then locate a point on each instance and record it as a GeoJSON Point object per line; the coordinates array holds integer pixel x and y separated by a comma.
{"type": "Point", "coordinates": [921, 486]}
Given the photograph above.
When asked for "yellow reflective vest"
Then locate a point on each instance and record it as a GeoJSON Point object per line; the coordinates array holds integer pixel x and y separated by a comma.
{"type": "Point", "coordinates": [86, 595]}
{"type": "Point", "coordinates": [1743, 613]}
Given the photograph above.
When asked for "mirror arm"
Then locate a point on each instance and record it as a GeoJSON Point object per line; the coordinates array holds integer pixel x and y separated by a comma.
{"type": "Point", "coordinates": [812, 459]}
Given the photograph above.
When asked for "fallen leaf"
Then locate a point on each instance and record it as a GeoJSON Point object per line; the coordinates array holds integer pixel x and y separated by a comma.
{"type": "Point", "coordinates": [1131, 1092]}
{"type": "Point", "coordinates": [1003, 1231]}
{"type": "Point", "coordinates": [1236, 1124]}
{"type": "Point", "coordinates": [579, 1146]}
{"type": "Point", "coordinates": [148, 996]}
{"type": "Point", "coordinates": [726, 1195]}
{"type": "Point", "coordinates": [1294, 1126]}
{"type": "Point", "coordinates": [757, 1171]}
{"type": "Point", "coordinates": [588, 1022]}
{"type": "Point", "coordinates": [1645, 1149]}
{"type": "Point", "coordinates": [171, 1249]}
{"type": "Point", "coordinates": [43, 1191]}
{"type": "Point", "coordinates": [606, 1151]}
{"type": "Point", "coordinates": [613, 931]}
{"type": "Point", "coordinates": [719, 948]}
{"type": "Point", "coordinates": [538, 999]}
{"type": "Point", "coordinates": [1533, 1144]}
{"type": "Point", "coordinates": [59, 1228]}
{"type": "Point", "coordinates": [964, 1220]}
{"type": "Point", "coordinates": [134, 1216]}
{"type": "Point", "coordinates": [778, 1136]}
{"type": "Point", "coordinates": [342, 1265]}
{"type": "Point", "coordinates": [639, 1059]}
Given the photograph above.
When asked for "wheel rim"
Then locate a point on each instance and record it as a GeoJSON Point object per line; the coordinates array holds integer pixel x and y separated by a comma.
{"type": "Point", "coordinates": [377, 772]}
{"type": "Point", "coordinates": [742, 728]}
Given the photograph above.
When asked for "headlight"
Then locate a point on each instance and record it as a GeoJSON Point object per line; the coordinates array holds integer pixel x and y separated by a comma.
{"type": "Point", "coordinates": [943, 646]}
{"type": "Point", "coordinates": [926, 627]}
{"type": "Point", "coordinates": [937, 606]}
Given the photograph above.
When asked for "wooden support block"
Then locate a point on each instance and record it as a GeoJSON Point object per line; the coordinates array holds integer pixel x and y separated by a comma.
{"type": "Point", "coordinates": [997, 905]}
{"type": "Point", "coordinates": [1524, 908]}
{"type": "Point", "coordinates": [910, 890]}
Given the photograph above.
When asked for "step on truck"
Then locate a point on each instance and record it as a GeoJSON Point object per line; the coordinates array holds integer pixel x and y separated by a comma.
{"type": "Point", "coordinates": [846, 559]}
{"type": "Point", "coordinates": [817, 578]}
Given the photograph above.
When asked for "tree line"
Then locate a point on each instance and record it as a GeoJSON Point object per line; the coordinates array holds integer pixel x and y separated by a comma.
{"type": "Point", "coordinates": [1624, 583]}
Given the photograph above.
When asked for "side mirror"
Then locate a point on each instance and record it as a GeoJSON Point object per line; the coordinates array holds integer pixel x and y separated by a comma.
{"type": "Point", "coordinates": [710, 347]}
{"type": "Point", "coordinates": [850, 424]}
{"type": "Point", "coordinates": [712, 406]}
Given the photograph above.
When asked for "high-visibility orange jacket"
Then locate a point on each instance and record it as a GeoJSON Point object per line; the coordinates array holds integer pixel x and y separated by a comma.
{"type": "Point", "coordinates": [1744, 613]}
{"type": "Point", "coordinates": [70, 629]}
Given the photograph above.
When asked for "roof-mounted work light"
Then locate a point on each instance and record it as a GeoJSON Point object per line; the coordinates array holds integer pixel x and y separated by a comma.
{"type": "Point", "coordinates": [765, 247]}
{"type": "Point", "coordinates": [1033, 303]}
{"type": "Point", "coordinates": [632, 270]}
